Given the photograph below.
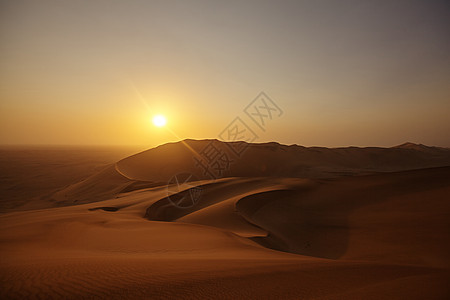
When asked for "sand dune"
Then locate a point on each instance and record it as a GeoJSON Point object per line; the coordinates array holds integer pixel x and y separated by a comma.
{"type": "Point", "coordinates": [117, 235]}
{"type": "Point", "coordinates": [157, 166]}
{"type": "Point", "coordinates": [276, 160]}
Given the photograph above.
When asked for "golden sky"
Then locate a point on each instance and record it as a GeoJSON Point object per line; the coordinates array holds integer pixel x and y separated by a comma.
{"type": "Point", "coordinates": [365, 73]}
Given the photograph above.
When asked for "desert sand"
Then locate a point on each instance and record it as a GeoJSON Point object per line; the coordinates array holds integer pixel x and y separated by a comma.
{"type": "Point", "coordinates": [283, 222]}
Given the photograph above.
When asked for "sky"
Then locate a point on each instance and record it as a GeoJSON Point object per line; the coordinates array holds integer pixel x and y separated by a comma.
{"type": "Point", "coordinates": [340, 73]}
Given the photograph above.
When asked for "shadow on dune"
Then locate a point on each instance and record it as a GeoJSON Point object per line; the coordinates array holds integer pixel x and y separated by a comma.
{"type": "Point", "coordinates": [211, 193]}
{"type": "Point", "coordinates": [105, 208]}
{"type": "Point", "coordinates": [294, 226]}
{"type": "Point", "coordinates": [316, 222]}
{"type": "Point", "coordinates": [321, 219]}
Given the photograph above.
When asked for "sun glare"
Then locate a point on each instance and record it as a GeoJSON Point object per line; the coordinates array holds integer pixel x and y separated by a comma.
{"type": "Point", "coordinates": [159, 120]}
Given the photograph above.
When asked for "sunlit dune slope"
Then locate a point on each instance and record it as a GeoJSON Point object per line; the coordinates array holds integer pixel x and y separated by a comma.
{"type": "Point", "coordinates": [158, 165]}
{"type": "Point", "coordinates": [399, 217]}
{"type": "Point", "coordinates": [393, 228]}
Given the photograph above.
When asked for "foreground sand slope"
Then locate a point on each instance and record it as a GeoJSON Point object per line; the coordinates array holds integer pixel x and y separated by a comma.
{"type": "Point", "coordinates": [381, 236]}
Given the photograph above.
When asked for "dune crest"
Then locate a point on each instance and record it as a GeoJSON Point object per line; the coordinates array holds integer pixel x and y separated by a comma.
{"type": "Point", "coordinates": [158, 165]}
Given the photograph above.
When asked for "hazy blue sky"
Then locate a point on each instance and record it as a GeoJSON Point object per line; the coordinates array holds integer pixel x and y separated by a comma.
{"type": "Point", "coordinates": [343, 72]}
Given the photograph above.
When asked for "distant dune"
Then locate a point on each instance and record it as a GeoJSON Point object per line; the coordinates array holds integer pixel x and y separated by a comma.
{"type": "Point", "coordinates": [273, 159]}
{"type": "Point", "coordinates": [30, 173]}
{"type": "Point", "coordinates": [284, 222]}
{"type": "Point", "coordinates": [156, 166]}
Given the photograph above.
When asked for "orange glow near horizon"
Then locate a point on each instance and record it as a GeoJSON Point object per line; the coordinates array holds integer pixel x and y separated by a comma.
{"type": "Point", "coordinates": [61, 84]}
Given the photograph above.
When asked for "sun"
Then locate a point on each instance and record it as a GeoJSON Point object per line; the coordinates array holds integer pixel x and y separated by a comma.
{"type": "Point", "coordinates": [159, 120]}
